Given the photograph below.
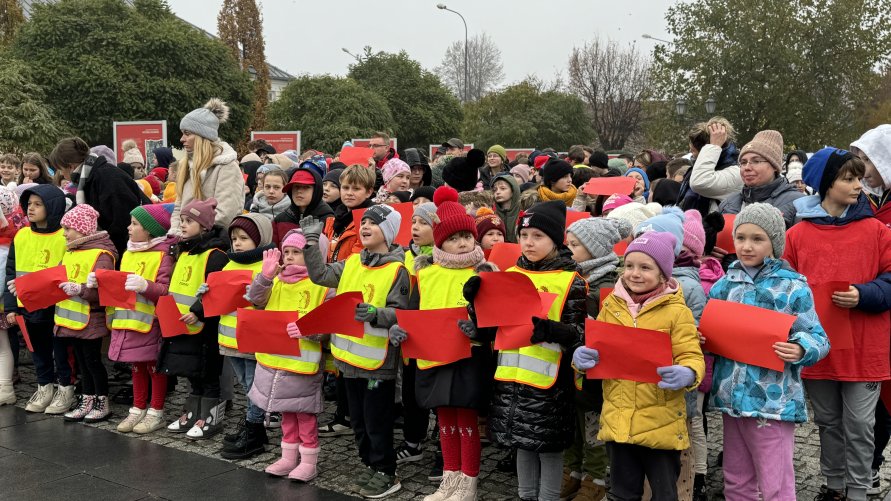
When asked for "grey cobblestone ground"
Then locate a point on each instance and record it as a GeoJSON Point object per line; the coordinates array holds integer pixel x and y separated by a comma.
{"type": "Point", "coordinates": [338, 461]}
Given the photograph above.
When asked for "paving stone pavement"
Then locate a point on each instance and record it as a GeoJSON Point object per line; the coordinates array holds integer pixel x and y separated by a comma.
{"type": "Point", "coordinates": [339, 459]}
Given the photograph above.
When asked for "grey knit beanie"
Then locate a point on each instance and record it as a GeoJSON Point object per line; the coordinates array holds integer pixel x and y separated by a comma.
{"type": "Point", "coordinates": [599, 235]}
{"type": "Point", "coordinates": [426, 211]}
{"type": "Point", "coordinates": [387, 218]}
{"type": "Point", "coordinates": [768, 218]}
{"type": "Point", "coordinates": [205, 121]}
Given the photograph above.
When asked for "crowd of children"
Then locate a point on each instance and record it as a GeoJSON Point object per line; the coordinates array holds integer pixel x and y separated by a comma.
{"type": "Point", "coordinates": [637, 260]}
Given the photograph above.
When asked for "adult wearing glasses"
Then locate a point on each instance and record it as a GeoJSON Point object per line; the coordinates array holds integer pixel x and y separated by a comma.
{"type": "Point", "coordinates": [381, 153]}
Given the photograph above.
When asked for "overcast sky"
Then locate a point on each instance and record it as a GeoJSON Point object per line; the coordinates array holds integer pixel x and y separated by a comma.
{"type": "Point", "coordinates": [535, 36]}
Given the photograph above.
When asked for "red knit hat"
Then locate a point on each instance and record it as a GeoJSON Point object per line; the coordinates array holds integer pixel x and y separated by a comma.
{"type": "Point", "coordinates": [487, 220]}
{"type": "Point", "coordinates": [452, 217]}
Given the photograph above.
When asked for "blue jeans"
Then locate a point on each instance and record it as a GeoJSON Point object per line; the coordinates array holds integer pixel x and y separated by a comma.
{"type": "Point", "coordinates": [244, 370]}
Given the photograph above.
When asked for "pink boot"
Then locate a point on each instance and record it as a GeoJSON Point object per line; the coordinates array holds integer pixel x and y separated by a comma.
{"type": "Point", "coordinates": [307, 469]}
{"type": "Point", "coordinates": [288, 461]}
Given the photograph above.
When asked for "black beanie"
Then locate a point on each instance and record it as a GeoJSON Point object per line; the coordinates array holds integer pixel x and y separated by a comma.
{"type": "Point", "coordinates": [712, 223]}
{"type": "Point", "coordinates": [333, 176]}
{"type": "Point", "coordinates": [599, 159]}
{"type": "Point", "coordinates": [462, 173]}
{"type": "Point", "coordinates": [549, 217]}
{"type": "Point", "coordinates": [553, 170]}
{"type": "Point", "coordinates": [423, 191]}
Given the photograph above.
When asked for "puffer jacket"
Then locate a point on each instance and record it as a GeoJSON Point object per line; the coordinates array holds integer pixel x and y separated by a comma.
{"type": "Point", "coordinates": [694, 296]}
{"type": "Point", "coordinates": [778, 193]}
{"type": "Point", "coordinates": [96, 327]}
{"type": "Point", "coordinates": [642, 413]}
{"type": "Point", "coordinates": [223, 181]}
{"type": "Point", "coordinates": [262, 206]}
{"type": "Point", "coordinates": [743, 390]}
{"type": "Point", "coordinates": [130, 346]}
{"type": "Point", "coordinates": [534, 419]}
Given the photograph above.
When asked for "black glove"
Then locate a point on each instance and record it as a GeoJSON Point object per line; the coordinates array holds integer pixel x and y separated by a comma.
{"type": "Point", "coordinates": [549, 331]}
{"type": "Point", "coordinates": [467, 328]}
{"type": "Point", "coordinates": [472, 287]}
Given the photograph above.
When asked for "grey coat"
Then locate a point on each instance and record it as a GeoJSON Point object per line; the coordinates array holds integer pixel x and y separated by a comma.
{"type": "Point", "coordinates": [778, 193]}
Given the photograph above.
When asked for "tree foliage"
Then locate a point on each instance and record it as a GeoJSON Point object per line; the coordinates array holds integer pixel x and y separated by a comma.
{"type": "Point", "coordinates": [102, 60]}
{"type": "Point", "coordinates": [877, 110]}
{"type": "Point", "coordinates": [528, 114]}
{"type": "Point", "coordinates": [329, 110]}
{"type": "Point", "coordinates": [803, 67]}
{"type": "Point", "coordinates": [26, 122]}
{"type": "Point", "coordinates": [240, 26]}
{"type": "Point", "coordinates": [484, 68]}
{"type": "Point", "coordinates": [11, 19]}
{"type": "Point", "coordinates": [424, 110]}
{"type": "Point", "coordinates": [614, 82]}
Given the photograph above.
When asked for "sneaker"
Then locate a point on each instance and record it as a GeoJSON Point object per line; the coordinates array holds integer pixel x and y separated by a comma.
{"type": "Point", "coordinates": [7, 393]}
{"type": "Point", "coordinates": [436, 471]}
{"type": "Point", "coordinates": [133, 418]}
{"type": "Point", "coordinates": [570, 485]}
{"type": "Point", "coordinates": [876, 486]}
{"type": "Point", "coordinates": [334, 429]}
{"type": "Point", "coordinates": [408, 454]}
{"type": "Point", "coordinates": [153, 420]}
{"type": "Point", "coordinates": [380, 485]}
{"type": "Point", "coordinates": [827, 494]}
{"type": "Point", "coordinates": [41, 398]}
{"type": "Point", "coordinates": [361, 479]}
{"type": "Point", "coordinates": [84, 406]}
{"type": "Point", "coordinates": [508, 464]}
{"type": "Point", "coordinates": [100, 411]}
{"type": "Point", "coordinates": [273, 421]}
{"type": "Point", "coordinates": [62, 402]}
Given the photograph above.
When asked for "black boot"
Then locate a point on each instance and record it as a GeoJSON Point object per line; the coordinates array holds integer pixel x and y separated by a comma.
{"type": "Point", "coordinates": [230, 438]}
{"type": "Point", "coordinates": [699, 488]}
{"type": "Point", "coordinates": [249, 444]}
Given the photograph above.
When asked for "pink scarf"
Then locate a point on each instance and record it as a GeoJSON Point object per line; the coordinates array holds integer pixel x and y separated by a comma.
{"type": "Point", "coordinates": [292, 273]}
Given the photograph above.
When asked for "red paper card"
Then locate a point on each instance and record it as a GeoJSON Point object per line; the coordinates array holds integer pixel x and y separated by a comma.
{"type": "Point", "coordinates": [40, 289]}
{"type": "Point", "coordinates": [506, 298]}
{"type": "Point", "coordinates": [836, 321]}
{"type": "Point", "coordinates": [260, 331]}
{"type": "Point", "coordinates": [225, 292]}
{"type": "Point", "coordinates": [745, 333]}
{"type": "Point", "coordinates": [169, 317]}
{"type": "Point", "coordinates": [406, 210]}
{"type": "Point", "coordinates": [19, 319]}
{"type": "Point", "coordinates": [573, 216]}
{"type": "Point", "coordinates": [510, 337]}
{"type": "Point", "coordinates": [355, 155]}
{"type": "Point", "coordinates": [610, 185]}
{"type": "Point", "coordinates": [434, 334]}
{"type": "Point", "coordinates": [604, 293]}
{"type": "Point", "coordinates": [335, 316]}
{"type": "Point", "coordinates": [724, 239]}
{"type": "Point", "coordinates": [111, 289]}
{"type": "Point", "coordinates": [621, 353]}
{"type": "Point", "coordinates": [621, 247]}
{"type": "Point", "coordinates": [505, 255]}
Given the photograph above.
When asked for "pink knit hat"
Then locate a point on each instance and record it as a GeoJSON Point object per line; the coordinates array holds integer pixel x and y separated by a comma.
{"type": "Point", "coordinates": [81, 218]}
{"type": "Point", "coordinates": [615, 200]}
{"type": "Point", "coordinates": [294, 238]}
{"type": "Point", "coordinates": [659, 245]}
{"type": "Point", "coordinates": [202, 211]}
{"type": "Point", "coordinates": [694, 233]}
{"type": "Point", "coordinates": [392, 168]}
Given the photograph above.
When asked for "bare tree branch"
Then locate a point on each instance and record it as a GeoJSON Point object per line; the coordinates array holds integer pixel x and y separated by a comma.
{"type": "Point", "coordinates": [484, 68]}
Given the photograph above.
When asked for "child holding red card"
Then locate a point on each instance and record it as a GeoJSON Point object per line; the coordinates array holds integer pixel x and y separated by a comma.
{"type": "Point", "coordinates": [761, 406]}
{"type": "Point", "coordinates": [844, 388]}
{"type": "Point", "coordinates": [80, 321]}
{"type": "Point", "coordinates": [135, 334]}
{"type": "Point", "coordinates": [11, 221]}
{"type": "Point", "coordinates": [644, 425]}
{"type": "Point", "coordinates": [288, 384]}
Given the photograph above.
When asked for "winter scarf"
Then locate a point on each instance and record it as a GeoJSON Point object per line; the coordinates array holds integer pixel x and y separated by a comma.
{"type": "Point", "coordinates": [687, 259]}
{"type": "Point", "coordinates": [546, 194]}
{"type": "Point", "coordinates": [458, 261]}
{"type": "Point", "coordinates": [144, 246]}
{"type": "Point", "coordinates": [293, 273]}
{"type": "Point", "coordinates": [597, 268]}
{"type": "Point", "coordinates": [76, 244]}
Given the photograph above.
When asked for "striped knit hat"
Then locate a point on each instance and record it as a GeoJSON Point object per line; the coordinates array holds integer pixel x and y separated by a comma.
{"type": "Point", "coordinates": [154, 218]}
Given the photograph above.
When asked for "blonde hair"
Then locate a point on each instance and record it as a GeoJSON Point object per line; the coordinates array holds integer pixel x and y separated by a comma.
{"type": "Point", "coordinates": [359, 175]}
{"type": "Point", "coordinates": [203, 152]}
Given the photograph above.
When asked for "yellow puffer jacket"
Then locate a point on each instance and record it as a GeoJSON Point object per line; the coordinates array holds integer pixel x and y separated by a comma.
{"type": "Point", "coordinates": [642, 413]}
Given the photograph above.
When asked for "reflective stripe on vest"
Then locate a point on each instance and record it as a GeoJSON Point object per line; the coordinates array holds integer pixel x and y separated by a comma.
{"type": "Point", "coordinates": [188, 275]}
{"type": "Point", "coordinates": [303, 296]}
{"type": "Point", "coordinates": [374, 283]}
{"type": "Point", "coordinates": [537, 365]}
{"type": "Point", "coordinates": [441, 288]}
{"type": "Point", "coordinates": [228, 322]}
{"type": "Point", "coordinates": [74, 312]}
{"type": "Point", "coordinates": [37, 251]}
{"type": "Point", "coordinates": [145, 264]}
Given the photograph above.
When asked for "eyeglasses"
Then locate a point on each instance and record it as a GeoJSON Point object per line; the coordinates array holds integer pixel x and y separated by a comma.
{"type": "Point", "coordinates": [376, 145]}
{"type": "Point", "coordinates": [753, 162]}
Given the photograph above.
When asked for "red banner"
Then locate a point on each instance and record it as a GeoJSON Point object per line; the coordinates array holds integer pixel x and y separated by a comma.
{"type": "Point", "coordinates": [281, 140]}
{"type": "Point", "coordinates": [148, 136]}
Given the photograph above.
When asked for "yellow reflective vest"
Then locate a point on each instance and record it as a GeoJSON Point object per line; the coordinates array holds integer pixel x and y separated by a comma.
{"type": "Point", "coordinates": [74, 312]}
{"type": "Point", "coordinates": [37, 251]}
{"type": "Point", "coordinates": [441, 288]}
{"type": "Point", "coordinates": [145, 264]}
{"type": "Point", "coordinates": [188, 275]}
{"type": "Point", "coordinates": [303, 296]}
{"type": "Point", "coordinates": [228, 322]}
{"type": "Point", "coordinates": [537, 365]}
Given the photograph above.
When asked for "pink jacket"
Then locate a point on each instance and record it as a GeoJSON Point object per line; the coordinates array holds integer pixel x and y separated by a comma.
{"type": "Point", "coordinates": [710, 271]}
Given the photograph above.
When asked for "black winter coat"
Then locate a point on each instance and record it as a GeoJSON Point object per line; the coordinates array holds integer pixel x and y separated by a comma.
{"type": "Point", "coordinates": [532, 418]}
{"type": "Point", "coordinates": [113, 194]}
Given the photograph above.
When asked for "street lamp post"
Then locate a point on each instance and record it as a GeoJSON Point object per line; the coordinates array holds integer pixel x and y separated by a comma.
{"type": "Point", "coordinates": [442, 6]}
{"type": "Point", "coordinates": [650, 37]}
{"type": "Point", "coordinates": [680, 107]}
{"type": "Point", "coordinates": [350, 53]}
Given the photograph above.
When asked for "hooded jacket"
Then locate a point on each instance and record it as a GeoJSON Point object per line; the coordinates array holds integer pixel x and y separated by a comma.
{"type": "Point", "coordinates": [413, 157]}
{"type": "Point", "coordinates": [113, 194]}
{"type": "Point", "coordinates": [876, 144]}
{"type": "Point", "coordinates": [222, 180]}
{"type": "Point", "coordinates": [509, 216]}
{"type": "Point", "coordinates": [96, 327]}
{"type": "Point", "coordinates": [778, 193]}
{"type": "Point", "coordinates": [260, 205]}
{"type": "Point", "coordinates": [290, 219]}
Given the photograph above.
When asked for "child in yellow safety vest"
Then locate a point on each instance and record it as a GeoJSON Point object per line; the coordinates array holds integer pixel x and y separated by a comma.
{"type": "Point", "coordinates": [196, 355]}
{"type": "Point", "coordinates": [136, 334]}
{"type": "Point", "coordinates": [290, 384]}
{"type": "Point", "coordinates": [368, 366]}
{"type": "Point", "coordinates": [12, 219]}
{"type": "Point", "coordinates": [80, 321]}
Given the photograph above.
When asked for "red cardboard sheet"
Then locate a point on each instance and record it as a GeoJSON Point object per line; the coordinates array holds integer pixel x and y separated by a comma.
{"type": "Point", "coordinates": [225, 292]}
{"type": "Point", "coordinates": [610, 185]}
{"type": "Point", "coordinates": [111, 289]}
{"type": "Point", "coordinates": [20, 319]}
{"type": "Point", "coordinates": [725, 238]}
{"type": "Point", "coordinates": [434, 334]}
{"type": "Point", "coordinates": [406, 210]}
{"type": "Point", "coordinates": [509, 337]}
{"type": "Point", "coordinates": [573, 216]}
{"type": "Point", "coordinates": [604, 293]}
{"type": "Point", "coordinates": [505, 255]}
{"type": "Point", "coordinates": [627, 352]}
{"type": "Point", "coordinates": [355, 155]}
{"type": "Point", "coordinates": [40, 289]}
{"type": "Point", "coordinates": [169, 317]}
{"type": "Point", "coordinates": [744, 333]}
{"type": "Point", "coordinates": [260, 331]}
{"type": "Point", "coordinates": [836, 321]}
{"type": "Point", "coordinates": [335, 316]}
{"type": "Point", "coordinates": [621, 247]}
{"type": "Point", "coordinates": [506, 298]}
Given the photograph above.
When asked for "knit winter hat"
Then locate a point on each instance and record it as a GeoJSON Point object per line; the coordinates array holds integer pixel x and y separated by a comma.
{"type": "Point", "coordinates": [394, 167]}
{"type": "Point", "coordinates": [659, 245]}
{"type": "Point", "coordinates": [615, 201]}
{"type": "Point", "coordinates": [498, 150]}
{"type": "Point", "coordinates": [599, 235]}
{"type": "Point", "coordinates": [486, 221]}
{"type": "Point", "coordinates": [423, 191]}
{"type": "Point", "coordinates": [618, 164]}
{"type": "Point", "coordinates": [671, 221]}
{"type": "Point", "coordinates": [201, 211]}
{"type": "Point", "coordinates": [794, 172]}
{"type": "Point", "coordinates": [462, 173]}
{"type": "Point", "coordinates": [822, 168]}
{"type": "Point", "coordinates": [154, 218]}
{"type": "Point", "coordinates": [523, 171]}
{"type": "Point", "coordinates": [8, 200]}
{"type": "Point", "coordinates": [646, 180]}
{"type": "Point", "coordinates": [694, 233]}
{"type": "Point", "coordinates": [554, 170]}
{"type": "Point", "coordinates": [257, 226]}
{"type": "Point", "coordinates": [635, 212]}
{"type": "Point", "coordinates": [768, 144]}
{"type": "Point", "coordinates": [133, 155]}
{"type": "Point", "coordinates": [154, 183]}
{"type": "Point", "coordinates": [768, 218]}
{"type": "Point", "coordinates": [333, 176]}
{"type": "Point", "coordinates": [599, 159]}
{"type": "Point", "coordinates": [540, 161]}
{"type": "Point", "coordinates": [549, 217]}
{"type": "Point", "coordinates": [387, 218]}
{"type": "Point", "coordinates": [160, 173]}
{"type": "Point", "coordinates": [451, 217]}
{"type": "Point", "coordinates": [82, 218]}
{"type": "Point", "coordinates": [294, 238]}
{"type": "Point", "coordinates": [163, 157]}
{"type": "Point", "coordinates": [205, 121]}
{"type": "Point", "coordinates": [316, 163]}
{"type": "Point", "coordinates": [426, 211]}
